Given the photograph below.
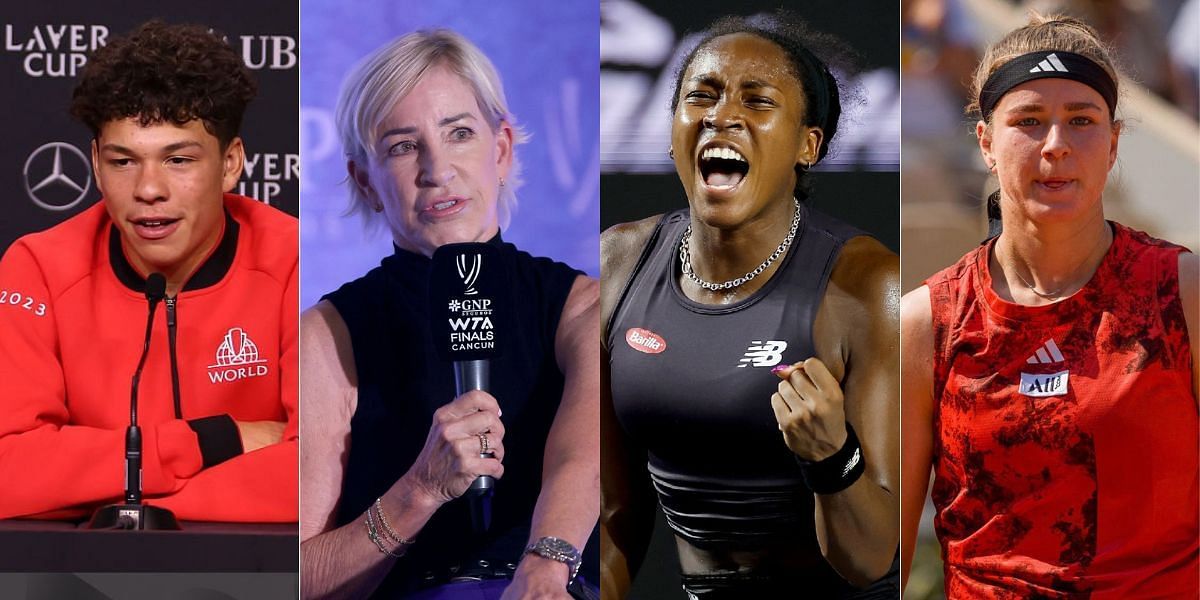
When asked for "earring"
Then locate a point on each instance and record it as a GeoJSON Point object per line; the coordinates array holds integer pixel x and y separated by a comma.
{"type": "Point", "coordinates": [501, 182]}
{"type": "Point", "coordinates": [378, 208]}
{"type": "Point", "coordinates": [671, 152]}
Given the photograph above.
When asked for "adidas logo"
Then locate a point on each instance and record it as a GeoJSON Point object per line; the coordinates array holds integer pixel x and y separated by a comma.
{"type": "Point", "coordinates": [1047, 354]}
{"type": "Point", "coordinates": [1050, 64]}
{"type": "Point", "coordinates": [1042, 385]}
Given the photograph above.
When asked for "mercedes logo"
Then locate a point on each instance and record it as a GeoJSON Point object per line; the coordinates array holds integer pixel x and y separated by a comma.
{"type": "Point", "coordinates": [57, 176]}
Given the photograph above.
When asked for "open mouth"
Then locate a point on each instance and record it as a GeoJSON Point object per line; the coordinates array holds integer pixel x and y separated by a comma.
{"type": "Point", "coordinates": [444, 206]}
{"type": "Point", "coordinates": [723, 168]}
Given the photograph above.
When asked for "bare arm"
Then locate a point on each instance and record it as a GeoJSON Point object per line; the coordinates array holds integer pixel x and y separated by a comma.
{"type": "Point", "coordinates": [857, 527]}
{"type": "Point", "coordinates": [916, 396]}
{"type": "Point", "coordinates": [338, 563]}
{"type": "Point", "coordinates": [627, 504]}
{"type": "Point", "coordinates": [344, 562]}
{"type": "Point", "coordinates": [569, 501]}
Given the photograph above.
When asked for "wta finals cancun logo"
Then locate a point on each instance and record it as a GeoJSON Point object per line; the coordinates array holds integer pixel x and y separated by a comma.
{"type": "Point", "coordinates": [468, 270]}
{"type": "Point", "coordinates": [237, 358]}
{"type": "Point", "coordinates": [471, 325]}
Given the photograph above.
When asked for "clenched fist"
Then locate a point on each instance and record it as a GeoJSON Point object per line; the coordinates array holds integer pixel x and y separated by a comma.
{"type": "Point", "coordinates": [809, 409]}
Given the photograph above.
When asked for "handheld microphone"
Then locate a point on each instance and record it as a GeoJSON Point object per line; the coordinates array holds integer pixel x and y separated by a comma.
{"type": "Point", "coordinates": [468, 300]}
{"type": "Point", "coordinates": [133, 514]}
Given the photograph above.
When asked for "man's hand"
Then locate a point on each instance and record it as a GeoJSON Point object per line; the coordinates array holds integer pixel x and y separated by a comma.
{"type": "Point", "coordinates": [259, 434]}
{"type": "Point", "coordinates": [809, 407]}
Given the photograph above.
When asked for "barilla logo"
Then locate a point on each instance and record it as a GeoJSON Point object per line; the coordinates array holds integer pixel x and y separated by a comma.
{"type": "Point", "coordinates": [644, 340]}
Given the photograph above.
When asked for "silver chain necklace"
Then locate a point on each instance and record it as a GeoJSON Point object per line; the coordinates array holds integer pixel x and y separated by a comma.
{"type": "Point", "coordinates": [1059, 292]}
{"type": "Point", "coordinates": [685, 257]}
{"type": "Point", "coordinates": [1047, 295]}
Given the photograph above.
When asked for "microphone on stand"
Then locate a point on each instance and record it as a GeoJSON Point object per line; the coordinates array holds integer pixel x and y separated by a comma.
{"type": "Point", "coordinates": [133, 514]}
{"type": "Point", "coordinates": [468, 302]}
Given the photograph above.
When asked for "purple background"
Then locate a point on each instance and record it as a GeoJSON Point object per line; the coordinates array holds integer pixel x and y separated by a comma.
{"type": "Point", "coordinates": [546, 53]}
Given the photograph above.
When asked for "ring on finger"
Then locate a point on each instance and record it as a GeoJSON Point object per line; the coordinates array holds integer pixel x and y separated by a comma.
{"type": "Point", "coordinates": [483, 443]}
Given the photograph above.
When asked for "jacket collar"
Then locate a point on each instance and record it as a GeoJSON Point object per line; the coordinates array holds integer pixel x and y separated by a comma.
{"type": "Point", "coordinates": [210, 272]}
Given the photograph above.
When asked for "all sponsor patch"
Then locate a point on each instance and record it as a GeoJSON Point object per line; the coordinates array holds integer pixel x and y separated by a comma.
{"type": "Point", "coordinates": [1040, 385]}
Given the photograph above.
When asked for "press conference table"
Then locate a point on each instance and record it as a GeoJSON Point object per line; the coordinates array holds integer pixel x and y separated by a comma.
{"type": "Point", "coordinates": [55, 546]}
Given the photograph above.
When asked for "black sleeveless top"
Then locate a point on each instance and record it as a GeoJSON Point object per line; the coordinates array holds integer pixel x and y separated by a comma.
{"type": "Point", "coordinates": [401, 382]}
{"type": "Point", "coordinates": [692, 384]}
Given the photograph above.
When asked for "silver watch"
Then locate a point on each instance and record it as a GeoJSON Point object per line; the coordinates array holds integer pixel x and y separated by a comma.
{"type": "Point", "coordinates": [558, 549]}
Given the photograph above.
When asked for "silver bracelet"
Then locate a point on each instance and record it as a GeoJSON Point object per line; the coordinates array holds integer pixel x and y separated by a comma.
{"type": "Point", "coordinates": [387, 528]}
{"type": "Point", "coordinates": [373, 534]}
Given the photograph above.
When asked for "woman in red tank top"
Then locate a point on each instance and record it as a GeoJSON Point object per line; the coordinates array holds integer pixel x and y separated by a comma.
{"type": "Point", "coordinates": [1048, 377]}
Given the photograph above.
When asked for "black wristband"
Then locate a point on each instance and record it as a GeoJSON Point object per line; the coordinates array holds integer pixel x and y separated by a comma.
{"type": "Point", "coordinates": [218, 438]}
{"type": "Point", "coordinates": [837, 472]}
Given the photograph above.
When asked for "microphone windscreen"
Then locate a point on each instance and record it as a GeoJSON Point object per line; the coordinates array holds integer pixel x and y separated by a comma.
{"type": "Point", "coordinates": [469, 301]}
{"type": "Point", "coordinates": [156, 287]}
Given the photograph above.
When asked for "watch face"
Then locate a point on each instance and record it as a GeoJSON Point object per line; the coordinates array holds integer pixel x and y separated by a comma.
{"type": "Point", "coordinates": [559, 546]}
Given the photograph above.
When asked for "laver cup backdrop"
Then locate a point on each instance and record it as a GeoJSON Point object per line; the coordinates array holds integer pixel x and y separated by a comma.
{"type": "Point", "coordinates": [45, 167]}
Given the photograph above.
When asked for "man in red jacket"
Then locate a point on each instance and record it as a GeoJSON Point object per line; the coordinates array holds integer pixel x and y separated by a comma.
{"type": "Point", "coordinates": [217, 402]}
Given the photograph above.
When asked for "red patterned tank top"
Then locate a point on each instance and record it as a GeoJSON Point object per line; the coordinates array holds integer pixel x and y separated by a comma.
{"type": "Point", "coordinates": [1066, 436]}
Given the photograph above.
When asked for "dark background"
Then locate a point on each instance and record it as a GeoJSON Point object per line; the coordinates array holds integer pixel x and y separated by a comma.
{"type": "Point", "coordinates": [34, 113]}
{"type": "Point", "coordinates": [859, 182]}
{"type": "Point", "coordinates": [34, 109]}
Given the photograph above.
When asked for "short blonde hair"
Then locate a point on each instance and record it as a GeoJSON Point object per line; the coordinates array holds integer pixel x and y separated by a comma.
{"type": "Point", "coordinates": [383, 78]}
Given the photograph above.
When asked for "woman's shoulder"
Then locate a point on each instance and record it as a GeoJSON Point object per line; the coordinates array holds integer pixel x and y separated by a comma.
{"type": "Point", "coordinates": [541, 267]}
{"type": "Point", "coordinates": [623, 242]}
{"type": "Point", "coordinates": [868, 270]}
{"type": "Point", "coordinates": [1143, 243]}
{"type": "Point", "coordinates": [620, 247]}
{"type": "Point", "coordinates": [959, 271]}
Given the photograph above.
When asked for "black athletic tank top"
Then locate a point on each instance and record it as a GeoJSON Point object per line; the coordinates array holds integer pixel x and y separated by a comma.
{"type": "Point", "coordinates": [692, 384]}
{"type": "Point", "coordinates": [401, 381]}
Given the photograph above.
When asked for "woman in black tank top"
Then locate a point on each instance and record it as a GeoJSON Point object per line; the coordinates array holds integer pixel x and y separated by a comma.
{"type": "Point", "coordinates": [750, 346]}
{"type": "Point", "coordinates": [388, 448]}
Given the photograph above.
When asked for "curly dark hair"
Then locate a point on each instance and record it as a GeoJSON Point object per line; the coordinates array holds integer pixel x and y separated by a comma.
{"type": "Point", "coordinates": [162, 72]}
{"type": "Point", "coordinates": [809, 52]}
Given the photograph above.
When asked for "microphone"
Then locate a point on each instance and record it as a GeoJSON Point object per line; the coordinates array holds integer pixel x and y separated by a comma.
{"type": "Point", "coordinates": [133, 514]}
{"type": "Point", "coordinates": [468, 300]}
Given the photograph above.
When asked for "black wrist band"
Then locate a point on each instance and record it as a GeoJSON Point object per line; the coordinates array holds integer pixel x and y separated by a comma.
{"type": "Point", "coordinates": [218, 438]}
{"type": "Point", "coordinates": [837, 472]}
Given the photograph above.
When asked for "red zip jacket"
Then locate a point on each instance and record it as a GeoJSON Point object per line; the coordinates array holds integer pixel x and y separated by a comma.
{"type": "Point", "coordinates": [72, 323]}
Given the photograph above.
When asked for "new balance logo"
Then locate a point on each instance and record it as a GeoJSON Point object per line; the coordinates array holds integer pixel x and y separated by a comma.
{"type": "Point", "coordinates": [1047, 354]}
{"type": "Point", "coordinates": [1050, 64]}
{"type": "Point", "coordinates": [763, 354]}
{"type": "Point", "coordinates": [237, 358]}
